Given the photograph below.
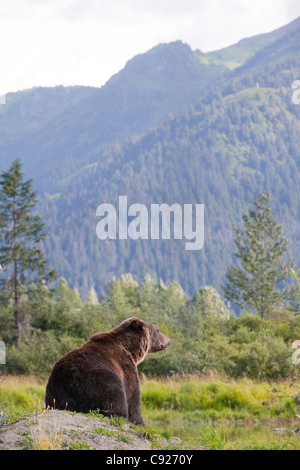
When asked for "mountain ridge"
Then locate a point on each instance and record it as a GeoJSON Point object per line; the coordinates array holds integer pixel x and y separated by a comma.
{"type": "Point", "coordinates": [224, 134]}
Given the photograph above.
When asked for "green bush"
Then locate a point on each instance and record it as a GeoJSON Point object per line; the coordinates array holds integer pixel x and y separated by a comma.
{"type": "Point", "coordinates": [266, 358]}
{"type": "Point", "coordinates": [37, 355]}
{"type": "Point", "coordinates": [202, 340]}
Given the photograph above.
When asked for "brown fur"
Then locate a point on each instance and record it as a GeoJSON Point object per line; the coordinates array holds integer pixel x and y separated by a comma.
{"type": "Point", "coordinates": [102, 374]}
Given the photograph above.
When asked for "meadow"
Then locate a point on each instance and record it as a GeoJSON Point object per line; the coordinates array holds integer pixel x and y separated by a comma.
{"type": "Point", "coordinates": [215, 412]}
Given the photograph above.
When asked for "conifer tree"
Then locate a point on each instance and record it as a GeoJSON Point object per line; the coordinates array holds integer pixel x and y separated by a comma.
{"type": "Point", "coordinates": [261, 251]}
{"type": "Point", "coordinates": [92, 298]}
{"type": "Point", "coordinates": [21, 234]}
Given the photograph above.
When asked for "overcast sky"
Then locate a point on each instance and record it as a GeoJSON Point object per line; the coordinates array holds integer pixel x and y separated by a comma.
{"type": "Point", "coordinates": [84, 42]}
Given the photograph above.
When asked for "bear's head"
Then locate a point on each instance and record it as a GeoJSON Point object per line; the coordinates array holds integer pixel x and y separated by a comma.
{"type": "Point", "coordinates": [146, 335]}
{"type": "Point", "coordinates": [158, 341]}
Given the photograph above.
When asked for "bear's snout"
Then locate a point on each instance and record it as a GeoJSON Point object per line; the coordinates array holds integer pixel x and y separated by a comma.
{"type": "Point", "coordinates": [160, 343]}
{"type": "Point", "coordinates": [165, 342]}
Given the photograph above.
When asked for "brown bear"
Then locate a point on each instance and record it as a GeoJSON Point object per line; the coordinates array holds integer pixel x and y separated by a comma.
{"type": "Point", "coordinates": [102, 374]}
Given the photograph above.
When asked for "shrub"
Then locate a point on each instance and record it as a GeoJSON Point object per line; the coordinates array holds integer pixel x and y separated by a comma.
{"type": "Point", "coordinates": [37, 355]}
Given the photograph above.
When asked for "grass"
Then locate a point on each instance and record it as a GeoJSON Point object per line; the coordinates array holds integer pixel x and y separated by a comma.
{"type": "Point", "coordinates": [215, 412]}
{"type": "Point", "coordinates": [22, 394]}
{"type": "Point", "coordinates": [79, 445]}
{"type": "Point", "coordinates": [118, 434]}
{"type": "Point", "coordinates": [196, 398]}
{"type": "Point", "coordinates": [218, 439]}
{"type": "Point", "coordinates": [223, 414]}
{"type": "Point", "coordinates": [47, 443]}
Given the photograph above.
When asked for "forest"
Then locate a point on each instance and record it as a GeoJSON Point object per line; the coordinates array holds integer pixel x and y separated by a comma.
{"type": "Point", "coordinates": [246, 329]}
{"type": "Point", "coordinates": [174, 126]}
{"type": "Point", "coordinates": [206, 337]}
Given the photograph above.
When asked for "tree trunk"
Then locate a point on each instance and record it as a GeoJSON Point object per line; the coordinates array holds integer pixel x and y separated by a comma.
{"type": "Point", "coordinates": [15, 282]}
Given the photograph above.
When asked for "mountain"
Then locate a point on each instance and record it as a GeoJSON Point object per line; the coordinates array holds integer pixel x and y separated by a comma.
{"type": "Point", "coordinates": [58, 131]}
{"type": "Point", "coordinates": [221, 154]}
{"type": "Point", "coordinates": [238, 54]}
{"type": "Point", "coordinates": [174, 125]}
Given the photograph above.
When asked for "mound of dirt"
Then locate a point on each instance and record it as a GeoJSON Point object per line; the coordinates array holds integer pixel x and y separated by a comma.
{"type": "Point", "coordinates": [63, 430]}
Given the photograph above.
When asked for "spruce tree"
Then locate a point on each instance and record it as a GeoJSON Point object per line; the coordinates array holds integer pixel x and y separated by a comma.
{"type": "Point", "coordinates": [261, 251]}
{"type": "Point", "coordinates": [21, 234]}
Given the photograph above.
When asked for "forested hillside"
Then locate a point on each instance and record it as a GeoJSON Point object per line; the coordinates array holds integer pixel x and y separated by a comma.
{"type": "Point", "coordinates": [57, 131]}
{"type": "Point", "coordinates": [220, 154]}
{"type": "Point", "coordinates": [233, 130]}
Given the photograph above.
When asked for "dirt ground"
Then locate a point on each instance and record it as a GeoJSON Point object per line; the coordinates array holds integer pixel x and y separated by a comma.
{"type": "Point", "coordinates": [62, 430]}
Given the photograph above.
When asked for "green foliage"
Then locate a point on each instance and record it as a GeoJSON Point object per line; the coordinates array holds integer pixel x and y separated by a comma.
{"type": "Point", "coordinates": [20, 243]}
{"type": "Point", "coordinates": [92, 298]}
{"type": "Point", "coordinates": [37, 355]}
{"type": "Point", "coordinates": [192, 419]}
{"type": "Point", "coordinates": [261, 249]}
{"type": "Point", "coordinates": [262, 358]}
{"type": "Point", "coordinates": [218, 153]}
{"type": "Point", "coordinates": [211, 439]}
{"type": "Point", "coordinates": [21, 396]}
{"type": "Point", "coordinates": [198, 398]}
{"type": "Point", "coordinates": [205, 337]}
{"type": "Point", "coordinates": [201, 342]}
{"type": "Point", "coordinates": [282, 444]}
{"type": "Point", "coordinates": [294, 306]}
{"type": "Point", "coordinates": [79, 445]}
{"type": "Point", "coordinates": [208, 303]}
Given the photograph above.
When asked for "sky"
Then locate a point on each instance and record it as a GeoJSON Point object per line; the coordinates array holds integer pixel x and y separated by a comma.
{"type": "Point", "coordinates": [85, 42]}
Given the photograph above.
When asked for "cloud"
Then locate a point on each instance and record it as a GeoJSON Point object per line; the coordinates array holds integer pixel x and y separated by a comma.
{"type": "Point", "coordinates": [52, 42]}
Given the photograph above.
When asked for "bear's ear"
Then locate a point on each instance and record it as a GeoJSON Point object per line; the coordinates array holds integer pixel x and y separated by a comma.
{"type": "Point", "coordinates": [136, 324]}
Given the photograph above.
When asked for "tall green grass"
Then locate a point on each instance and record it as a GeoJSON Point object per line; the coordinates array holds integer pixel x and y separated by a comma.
{"type": "Point", "coordinates": [192, 397]}
{"type": "Point", "coordinates": [22, 395]}
{"type": "Point", "coordinates": [214, 438]}
{"type": "Point", "coordinates": [216, 399]}
{"type": "Point", "coordinates": [216, 413]}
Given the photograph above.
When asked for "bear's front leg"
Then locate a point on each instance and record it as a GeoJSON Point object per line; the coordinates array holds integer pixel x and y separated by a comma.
{"type": "Point", "coordinates": [134, 413]}
{"type": "Point", "coordinates": [134, 400]}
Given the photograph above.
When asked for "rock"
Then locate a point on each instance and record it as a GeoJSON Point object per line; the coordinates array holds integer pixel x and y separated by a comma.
{"type": "Point", "coordinates": [284, 431]}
